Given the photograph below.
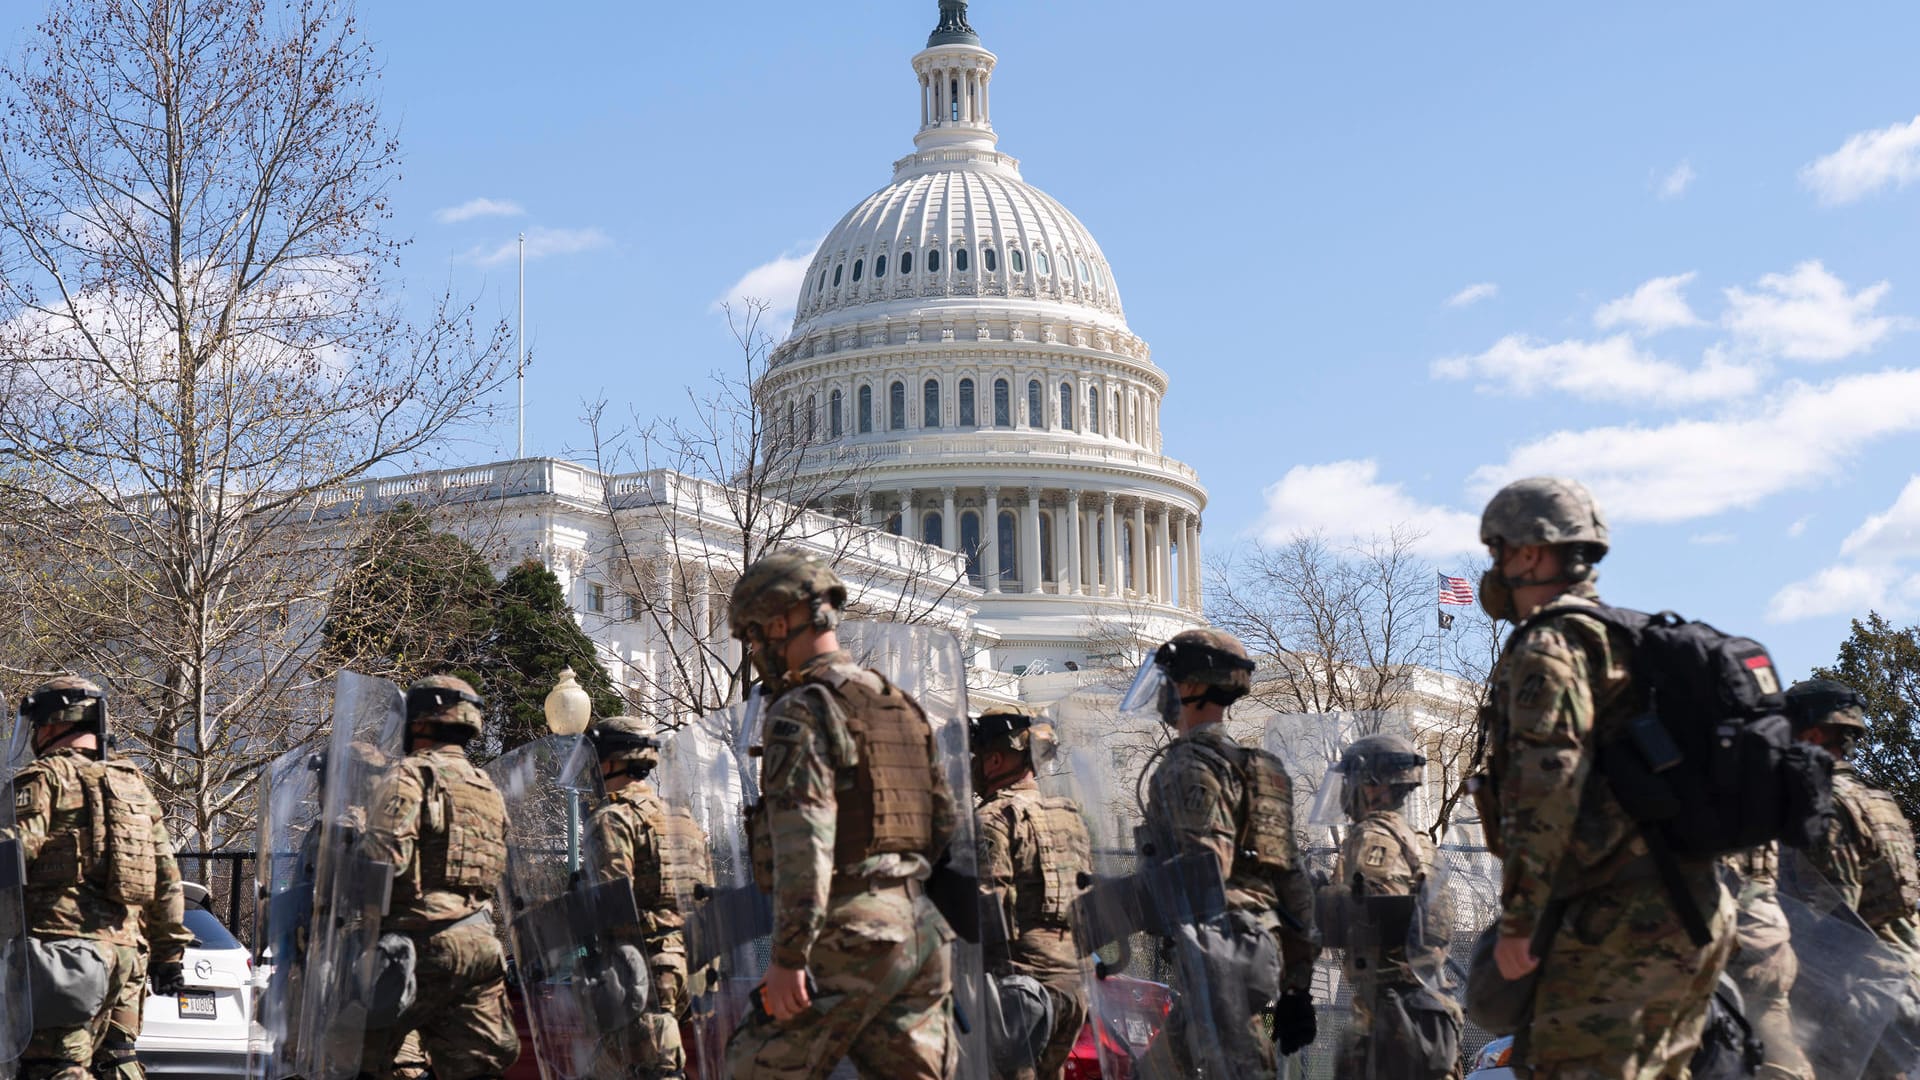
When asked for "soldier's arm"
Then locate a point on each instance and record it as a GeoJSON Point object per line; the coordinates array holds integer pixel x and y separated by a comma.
{"type": "Point", "coordinates": [1194, 800]}
{"type": "Point", "coordinates": [393, 826]}
{"type": "Point", "coordinates": [946, 809]}
{"type": "Point", "coordinates": [995, 845]}
{"type": "Point", "coordinates": [1549, 716]}
{"type": "Point", "coordinates": [1299, 944]}
{"type": "Point", "coordinates": [609, 846]}
{"type": "Point", "coordinates": [1380, 861]}
{"type": "Point", "coordinates": [167, 934]}
{"type": "Point", "coordinates": [33, 810]}
{"type": "Point", "coordinates": [797, 787]}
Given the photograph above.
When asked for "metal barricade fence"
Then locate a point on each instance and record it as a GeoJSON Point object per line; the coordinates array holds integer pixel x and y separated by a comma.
{"type": "Point", "coordinates": [228, 877]}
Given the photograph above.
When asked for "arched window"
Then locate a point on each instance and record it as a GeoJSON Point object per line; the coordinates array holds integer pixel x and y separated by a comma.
{"type": "Point", "coordinates": [906, 262]}
{"type": "Point", "coordinates": [896, 521]}
{"type": "Point", "coordinates": [933, 260]}
{"type": "Point", "coordinates": [970, 542]}
{"type": "Point", "coordinates": [989, 260]}
{"type": "Point", "coordinates": [1117, 421]}
{"type": "Point", "coordinates": [823, 280]}
{"type": "Point", "coordinates": [1036, 405]}
{"type": "Point", "coordinates": [813, 412]}
{"type": "Point", "coordinates": [880, 266]}
{"type": "Point", "coordinates": [836, 277]}
{"type": "Point", "coordinates": [1017, 261]}
{"type": "Point", "coordinates": [1009, 547]}
{"type": "Point", "coordinates": [953, 96]}
{"type": "Point", "coordinates": [959, 260]}
{"type": "Point", "coordinates": [1126, 554]}
{"type": "Point", "coordinates": [930, 404]}
{"type": "Point", "coordinates": [1066, 406]}
{"type": "Point", "coordinates": [1093, 409]}
{"type": "Point", "coordinates": [833, 414]}
{"type": "Point", "coordinates": [1083, 269]}
{"type": "Point", "coordinates": [1046, 547]}
{"type": "Point", "coordinates": [792, 431]}
{"type": "Point", "coordinates": [968, 418]}
{"type": "Point", "coordinates": [1002, 404]}
{"type": "Point", "coordinates": [897, 407]}
{"type": "Point", "coordinates": [930, 532]}
{"type": "Point", "coordinates": [866, 410]}
{"type": "Point", "coordinates": [1041, 263]}
{"type": "Point", "coordinates": [858, 265]}
{"type": "Point", "coordinates": [1103, 574]}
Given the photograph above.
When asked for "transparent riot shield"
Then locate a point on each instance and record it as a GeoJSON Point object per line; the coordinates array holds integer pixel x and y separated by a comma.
{"type": "Point", "coordinates": [1407, 1015]}
{"type": "Point", "coordinates": [16, 1004]}
{"type": "Point", "coordinates": [584, 980]}
{"type": "Point", "coordinates": [707, 770]}
{"type": "Point", "coordinates": [351, 887]}
{"type": "Point", "coordinates": [927, 663]}
{"type": "Point", "coordinates": [284, 874]}
{"type": "Point", "coordinates": [1852, 996]}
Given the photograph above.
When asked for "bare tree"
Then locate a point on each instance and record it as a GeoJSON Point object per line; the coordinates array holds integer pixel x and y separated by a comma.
{"type": "Point", "coordinates": [200, 349]}
{"type": "Point", "coordinates": [694, 499]}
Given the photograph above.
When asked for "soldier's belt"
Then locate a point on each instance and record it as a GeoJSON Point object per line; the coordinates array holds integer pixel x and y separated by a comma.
{"type": "Point", "coordinates": [844, 887]}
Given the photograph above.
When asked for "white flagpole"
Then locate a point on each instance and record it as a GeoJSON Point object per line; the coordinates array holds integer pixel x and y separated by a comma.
{"type": "Point", "coordinates": [520, 336]}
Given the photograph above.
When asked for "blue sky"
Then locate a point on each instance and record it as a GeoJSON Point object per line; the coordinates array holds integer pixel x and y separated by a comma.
{"type": "Point", "coordinates": [1389, 258]}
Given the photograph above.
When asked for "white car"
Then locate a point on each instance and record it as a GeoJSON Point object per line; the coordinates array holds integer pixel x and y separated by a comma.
{"type": "Point", "coordinates": [202, 1031]}
{"type": "Point", "coordinates": [1491, 1062]}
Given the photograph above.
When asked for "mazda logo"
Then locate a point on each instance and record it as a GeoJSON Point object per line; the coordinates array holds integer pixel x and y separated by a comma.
{"type": "Point", "coordinates": [202, 970]}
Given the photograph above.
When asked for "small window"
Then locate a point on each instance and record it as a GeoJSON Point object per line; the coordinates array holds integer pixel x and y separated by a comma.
{"type": "Point", "coordinates": [813, 411]}
{"type": "Point", "coordinates": [1036, 405]}
{"type": "Point", "coordinates": [1083, 269]}
{"type": "Point", "coordinates": [930, 404]}
{"type": "Point", "coordinates": [960, 260]}
{"type": "Point", "coordinates": [823, 280]}
{"type": "Point", "coordinates": [880, 266]}
{"type": "Point", "coordinates": [1017, 261]}
{"type": "Point", "coordinates": [596, 597]}
{"type": "Point", "coordinates": [930, 529]}
{"type": "Point", "coordinates": [906, 262]}
{"type": "Point", "coordinates": [1041, 263]}
{"type": "Point", "coordinates": [953, 96]}
{"type": "Point", "coordinates": [836, 276]}
{"type": "Point", "coordinates": [866, 410]}
{"type": "Point", "coordinates": [1093, 409]}
{"type": "Point", "coordinates": [1066, 406]}
{"type": "Point", "coordinates": [858, 266]}
{"type": "Point", "coordinates": [933, 260]}
{"type": "Point", "coordinates": [989, 260]}
{"type": "Point", "coordinates": [968, 418]}
{"type": "Point", "coordinates": [897, 407]}
{"type": "Point", "coordinates": [1002, 404]}
{"type": "Point", "coordinates": [833, 414]}
{"type": "Point", "coordinates": [633, 608]}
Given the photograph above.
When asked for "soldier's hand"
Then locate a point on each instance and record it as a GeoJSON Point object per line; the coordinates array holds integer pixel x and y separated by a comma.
{"type": "Point", "coordinates": [784, 992]}
{"type": "Point", "coordinates": [169, 977]}
{"type": "Point", "coordinates": [1294, 1022]}
{"type": "Point", "coordinates": [1514, 957]}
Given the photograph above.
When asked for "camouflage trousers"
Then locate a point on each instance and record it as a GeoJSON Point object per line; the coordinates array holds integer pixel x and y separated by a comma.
{"type": "Point", "coordinates": [1069, 1017]}
{"type": "Point", "coordinates": [460, 1009]}
{"type": "Point", "coordinates": [105, 1042]}
{"type": "Point", "coordinates": [651, 1048]}
{"type": "Point", "coordinates": [1400, 1030]}
{"type": "Point", "coordinates": [884, 970]}
{"type": "Point", "coordinates": [1226, 979]}
{"type": "Point", "coordinates": [1623, 991]}
{"type": "Point", "coordinates": [1764, 967]}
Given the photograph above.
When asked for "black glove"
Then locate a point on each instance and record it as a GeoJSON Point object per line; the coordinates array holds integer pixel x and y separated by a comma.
{"type": "Point", "coordinates": [169, 977]}
{"type": "Point", "coordinates": [1294, 1024]}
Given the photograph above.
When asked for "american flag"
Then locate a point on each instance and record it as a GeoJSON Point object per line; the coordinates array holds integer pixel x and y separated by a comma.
{"type": "Point", "coordinates": [1455, 592]}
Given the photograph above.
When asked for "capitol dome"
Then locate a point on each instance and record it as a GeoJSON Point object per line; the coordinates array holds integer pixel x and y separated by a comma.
{"type": "Point", "coordinates": [959, 352]}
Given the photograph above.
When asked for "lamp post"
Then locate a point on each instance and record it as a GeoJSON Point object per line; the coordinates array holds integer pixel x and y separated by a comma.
{"type": "Point", "coordinates": [568, 707]}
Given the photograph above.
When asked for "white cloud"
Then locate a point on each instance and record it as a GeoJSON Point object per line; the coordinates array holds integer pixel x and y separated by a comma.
{"type": "Point", "coordinates": [1657, 305]}
{"type": "Point", "coordinates": [1866, 163]}
{"type": "Point", "coordinates": [1347, 499]}
{"type": "Point", "coordinates": [477, 208]}
{"type": "Point", "coordinates": [1712, 539]}
{"type": "Point", "coordinates": [1675, 184]}
{"type": "Point", "coordinates": [1803, 435]}
{"type": "Point", "coordinates": [1473, 294]}
{"type": "Point", "coordinates": [1799, 526]}
{"type": "Point", "coordinates": [541, 243]}
{"type": "Point", "coordinates": [777, 282]}
{"type": "Point", "coordinates": [1808, 314]}
{"type": "Point", "coordinates": [1874, 570]}
{"type": "Point", "coordinates": [1894, 534]}
{"type": "Point", "coordinates": [1612, 369]}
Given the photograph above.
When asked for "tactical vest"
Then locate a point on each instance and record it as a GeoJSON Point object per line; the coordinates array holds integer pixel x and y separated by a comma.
{"type": "Point", "coordinates": [1263, 842]}
{"type": "Point", "coordinates": [1889, 878]}
{"type": "Point", "coordinates": [124, 848]}
{"type": "Point", "coordinates": [885, 798]}
{"type": "Point", "coordinates": [670, 857]}
{"type": "Point", "coordinates": [1066, 853]}
{"type": "Point", "coordinates": [463, 829]}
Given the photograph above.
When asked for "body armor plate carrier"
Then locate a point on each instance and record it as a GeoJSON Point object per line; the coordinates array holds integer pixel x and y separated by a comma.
{"type": "Point", "coordinates": [1889, 878]}
{"type": "Point", "coordinates": [463, 830]}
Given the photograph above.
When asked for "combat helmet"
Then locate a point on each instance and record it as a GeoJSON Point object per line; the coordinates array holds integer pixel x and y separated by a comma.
{"type": "Point", "coordinates": [1021, 729]}
{"type": "Point", "coordinates": [1385, 760]}
{"type": "Point", "coordinates": [1546, 510]}
{"type": "Point", "coordinates": [68, 699]}
{"type": "Point", "coordinates": [633, 741]}
{"type": "Point", "coordinates": [1212, 658]}
{"type": "Point", "coordinates": [1825, 703]}
{"type": "Point", "coordinates": [781, 581]}
{"type": "Point", "coordinates": [448, 702]}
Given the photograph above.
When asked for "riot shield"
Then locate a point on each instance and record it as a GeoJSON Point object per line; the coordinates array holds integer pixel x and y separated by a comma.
{"type": "Point", "coordinates": [1407, 1015]}
{"type": "Point", "coordinates": [927, 663]}
{"type": "Point", "coordinates": [16, 1004]}
{"type": "Point", "coordinates": [707, 770]}
{"type": "Point", "coordinates": [584, 981]}
{"type": "Point", "coordinates": [1851, 995]}
{"type": "Point", "coordinates": [284, 872]}
{"type": "Point", "coordinates": [351, 886]}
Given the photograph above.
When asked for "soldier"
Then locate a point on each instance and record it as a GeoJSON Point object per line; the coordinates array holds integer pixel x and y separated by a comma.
{"type": "Point", "coordinates": [636, 836]}
{"type": "Point", "coordinates": [1764, 965]}
{"type": "Point", "coordinates": [1211, 794]}
{"type": "Point", "coordinates": [1033, 852]}
{"type": "Point", "coordinates": [854, 811]}
{"type": "Point", "coordinates": [93, 884]}
{"type": "Point", "coordinates": [441, 824]}
{"type": "Point", "coordinates": [1623, 991]}
{"type": "Point", "coordinates": [1404, 1024]}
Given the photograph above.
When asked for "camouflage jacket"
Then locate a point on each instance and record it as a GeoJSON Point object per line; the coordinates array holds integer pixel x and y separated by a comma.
{"type": "Point", "coordinates": [626, 839]}
{"type": "Point", "coordinates": [806, 747]}
{"type": "Point", "coordinates": [1021, 841]}
{"type": "Point", "coordinates": [65, 896]}
{"type": "Point", "coordinates": [1849, 859]}
{"type": "Point", "coordinates": [441, 824]}
{"type": "Point", "coordinates": [1389, 859]}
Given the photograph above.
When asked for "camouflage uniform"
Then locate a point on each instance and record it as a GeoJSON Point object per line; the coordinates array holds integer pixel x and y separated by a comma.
{"type": "Point", "coordinates": [1033, 850]}
{"type": "Point", "coordinates": [848, 904]}
{"type": "Point", "coordinates": [1198, 800]}
{"type": "Point", "coordinates": [70, 895]}
{"type": "Point", "coordinates": [1622, 990]}
{"type": "Point", "coordinates": [664, 853]}
{"type": "Point", "coordinates": [1764, 965]}
{"type": "Point", "coordinates": [442, 825]}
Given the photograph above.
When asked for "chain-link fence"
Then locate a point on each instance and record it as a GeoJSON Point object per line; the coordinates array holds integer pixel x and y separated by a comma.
{"type": "Point", "coordinates": [229, 880]}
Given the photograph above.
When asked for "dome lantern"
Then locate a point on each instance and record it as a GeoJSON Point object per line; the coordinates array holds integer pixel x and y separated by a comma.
{"type": "Point", "coordinates": [954, 71]}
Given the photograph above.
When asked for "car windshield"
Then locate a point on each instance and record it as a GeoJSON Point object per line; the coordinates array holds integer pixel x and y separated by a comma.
{"type": "Point", "coordinates": [207, 931]}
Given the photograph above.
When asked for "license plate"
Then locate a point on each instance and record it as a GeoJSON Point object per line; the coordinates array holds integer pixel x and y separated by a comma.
{"type": "Point", "coordinates": [196, 1005]}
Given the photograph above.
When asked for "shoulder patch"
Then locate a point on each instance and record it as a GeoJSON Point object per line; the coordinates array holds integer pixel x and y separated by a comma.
{"type": "Point", "coordinates": [22, 799]}
{"type": "Point", "coordinates": [1375, 855]}
{"type": "Point", "coordinates": [1531, 690]}
{"type": "Point", "coordinates": [784, 729]}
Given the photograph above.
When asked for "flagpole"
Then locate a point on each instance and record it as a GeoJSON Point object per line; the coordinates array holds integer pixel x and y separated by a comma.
{"type": "Point", "coordinates": [520, 337]}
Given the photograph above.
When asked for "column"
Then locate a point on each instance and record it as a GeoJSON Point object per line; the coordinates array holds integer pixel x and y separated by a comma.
{"type": "Point", "coordinates": [990, 539]}
{"type": "Point", "coordinates": [908, 527]}
{"type": "Point", "coordinates": [866, 509]}
{"type": "Point", "coordinates": [1030, 542]}
{"type": "Point", "coordinates": [1116, 579]}
{"type": "Point", "coordinates": [1140, 547]}
{"type": "Point", "coordinates": [703, 608]}
{"type": "Point", "coordinates": [949, 525]}
{"type": "Point", "coordinates": [1190, 589]}
{"type": "Point", "coordinates": [1199, 586]}
{"type": "Point", "coordinates": [1164, 551]}
{"type": "Point", "coordinates": [1072, 562]}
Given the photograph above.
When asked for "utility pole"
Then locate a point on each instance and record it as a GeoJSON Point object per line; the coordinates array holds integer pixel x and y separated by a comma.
{"type": "Point", "coordinates": [520, 336]}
